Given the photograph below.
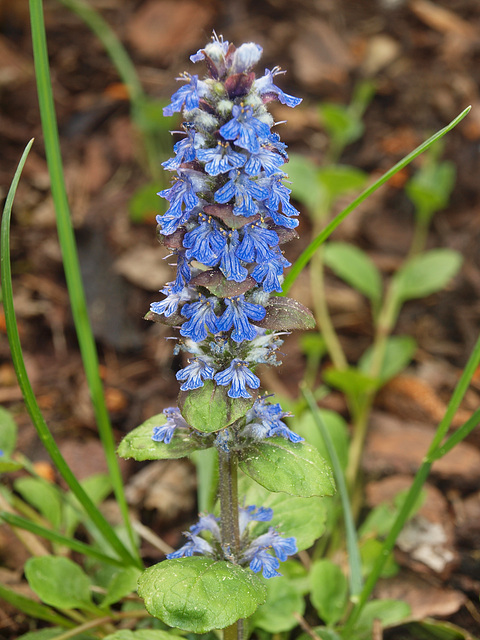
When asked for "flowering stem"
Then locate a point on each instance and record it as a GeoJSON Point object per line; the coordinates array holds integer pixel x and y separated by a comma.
{"type": "Point", "coordinates": [321, 312]}
{"type": "Point", "coordinates": [228, 490]}
{"type": "Point", "coordinates": [228, 493]}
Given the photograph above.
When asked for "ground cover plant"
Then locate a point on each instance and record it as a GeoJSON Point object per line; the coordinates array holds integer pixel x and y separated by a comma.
{"type": "Point", "coordinates": [228, 213]}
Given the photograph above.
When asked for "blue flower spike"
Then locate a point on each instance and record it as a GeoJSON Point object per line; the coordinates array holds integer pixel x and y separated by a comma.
{"type": "Point", "coordinates": [227, 208]}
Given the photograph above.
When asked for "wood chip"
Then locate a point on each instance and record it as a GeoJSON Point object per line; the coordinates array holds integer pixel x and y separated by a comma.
{"type": "Point", "coordinates": [425, 599]}
{"type": "Point", "coordinates": [396, 447]}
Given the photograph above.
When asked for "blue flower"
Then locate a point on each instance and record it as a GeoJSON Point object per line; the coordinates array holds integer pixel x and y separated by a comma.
{"type": "Point", "coordinates": [181, 194]}
{"type": "Point", "coordinates": [266, 563]}
{"type": "Point", "coordinates": [245, 57]}
{"type": "Point", "coordinates": [239, 376]}
{"type": "Point", "coordinates": [205, 243]}
{"type": "Point", "coordinates": [269, 272]}
{"type": "Point", "coordinates": [244, 190]}
{"type": "Point", "coordinates": [215, 50]}
{"type": "Point", "coordinates": [221, 158]}
{"type": "Point", "coordinates": [244, 129]}
{"type": "Point", "coordinates": [230, 265]}
{"type": "Point", "coordinates": [265, 87]}
{"type": "Point", "coordinates": [201, 316]}
{"type": "Point", "coordinates": [256, 242]}
{"type": "Point", "coordinates": [183, 272]}
{"type": "Point", "coordinates": [262, 348]}
{"type": "Point", "coordinates": [238, 312]}
{"type": "Point", "coordinates": [196, 544]}
{"type": "Point", "coordinates": [278, 194]}
{"type": "Point", "coordinates": [189, 95]}
{"type": "Point", "coordinates": [265, 159]}
{"type": "Point", "coordinates": [194, 374]}
{"type": "Point", "coordinates": [264, 420]}
{"type": "Point", "coordinates": [253, 514]}
{"type": "Point", "coordinates": [165, 432]}
{"type": "Point", "coordinates": [184, 149]}
{"type": "Point", "coordinates": [207, 522]}
{"type": "Point", "coordinates": [222, 441]}
{"type": "Point", "coordinates": [260, 559]}
{"type": "Point", "coordinates": [169, 305]}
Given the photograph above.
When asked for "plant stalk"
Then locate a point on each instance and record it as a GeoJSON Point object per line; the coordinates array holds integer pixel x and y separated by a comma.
{"type": "Point", "coordinates": [228, 494]}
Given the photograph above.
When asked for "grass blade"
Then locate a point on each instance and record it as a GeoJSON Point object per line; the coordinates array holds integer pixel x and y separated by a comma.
{"type": "Point", "coordinates": [57, 538]}
{"type": "Point", "coordinates": [420, 478]}
{"type": "Point", "coordinates": [306, 255]}
{"type": "Point", "coordinates": [70, 258]}
{"type": "Point", "coordinates": [354, 560]}
{"type": "Point", "coordinates": [24, 382]}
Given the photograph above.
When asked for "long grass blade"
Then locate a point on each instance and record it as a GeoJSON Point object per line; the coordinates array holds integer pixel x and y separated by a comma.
{"type": "Point", "coordinates": [307, 254]}
{"type": "Point", "coordinates": [57, 538]}
{"type": "Point", "coordinates": [458, 436]}
{"type": "Point", "coordinates": [419, 480]}
{"type": "Point", "coordinates": [354, 560]}
{"type": "Point", "coordinates": [24, 382]}
{"type": "Point", "coordinates": [70, 259]}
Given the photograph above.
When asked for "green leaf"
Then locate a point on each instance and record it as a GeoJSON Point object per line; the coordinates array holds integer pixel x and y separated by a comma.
{"type": "Point", "coordinates": [440, 630]}
{"type": "Point", "coordinates": [352, 265]}
{"type": "Point", "coordinates": [97, 487]}
{"type": "Point", "coordinates": [8, 433]}
{"type": "Point", "coordinates": [225, 213]}
{"type": "Point", "coordinates": [297, 574]}
{"type": "Point", "coordinates": [399, 351]}
{"type": "Point", "coordinates": [389, 612]}
{"type": "Point", "coordinates": [336, 427]}
{"type": "Point", "coordinates": [7, 465]}
{"type": "Point", "coordinates": [286, 314]}
{"type": "Point", "coordinates": [302, 173]}
{"type": "Point", "coordinates": [302, 518]}
{"type": "Point", "coordinates": [42, 495]}
{"type": "Point", "coordinates": [145, 203]}
{"type": "Point", "coordinates": [307, 253]}
{"type": "Point", "coordinates": [351, 381]}
{"type": "Point", "coordinates": [216, 283]}
{"type": "Point", "coordinates": [199, 594]}
{"type": "Point", "coordinates": [141, 634]}
{"type": "Point", "coordinates": [370, 550]}
{"type": "Point", "coordinates": [210, 409]}
{"type": "Point", "coordinates": [338, 180]}
{"type": "Point", "coordinates": [51, 633]}
{"type": "Point", "coordinates": [276, 615]}
{"type": "Point", "coordinates": [206, 465]}
{"type": "Point", "coordinates": [59, 582]}
{"type": "Point", "coordinates": [430, 188]}
{"type": "Point", "coordinates": [329, 590]}
{"type": "Point", "coordinates": [122, 584]}
{"type": "Point", "coordinates": [426, 274]}
{"type": "Point", "coordinates": [138, 444]}
{"type": "Point", "coordinates": [321, 632]}
{"type": "Point", "coordinates": [42, 634]}
{"type": "Point", "coordinates": [33, 608]}
{"type": "Point", "coordinates": [294, 468]}
{"type": "Point", "coordinates": [341, 124]}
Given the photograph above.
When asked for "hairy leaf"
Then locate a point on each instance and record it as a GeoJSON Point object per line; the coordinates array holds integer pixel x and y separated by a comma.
{"type": "Point", "coordinates": [294, 468]}
{"type": "Point", "coordinates": [199, 594]}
